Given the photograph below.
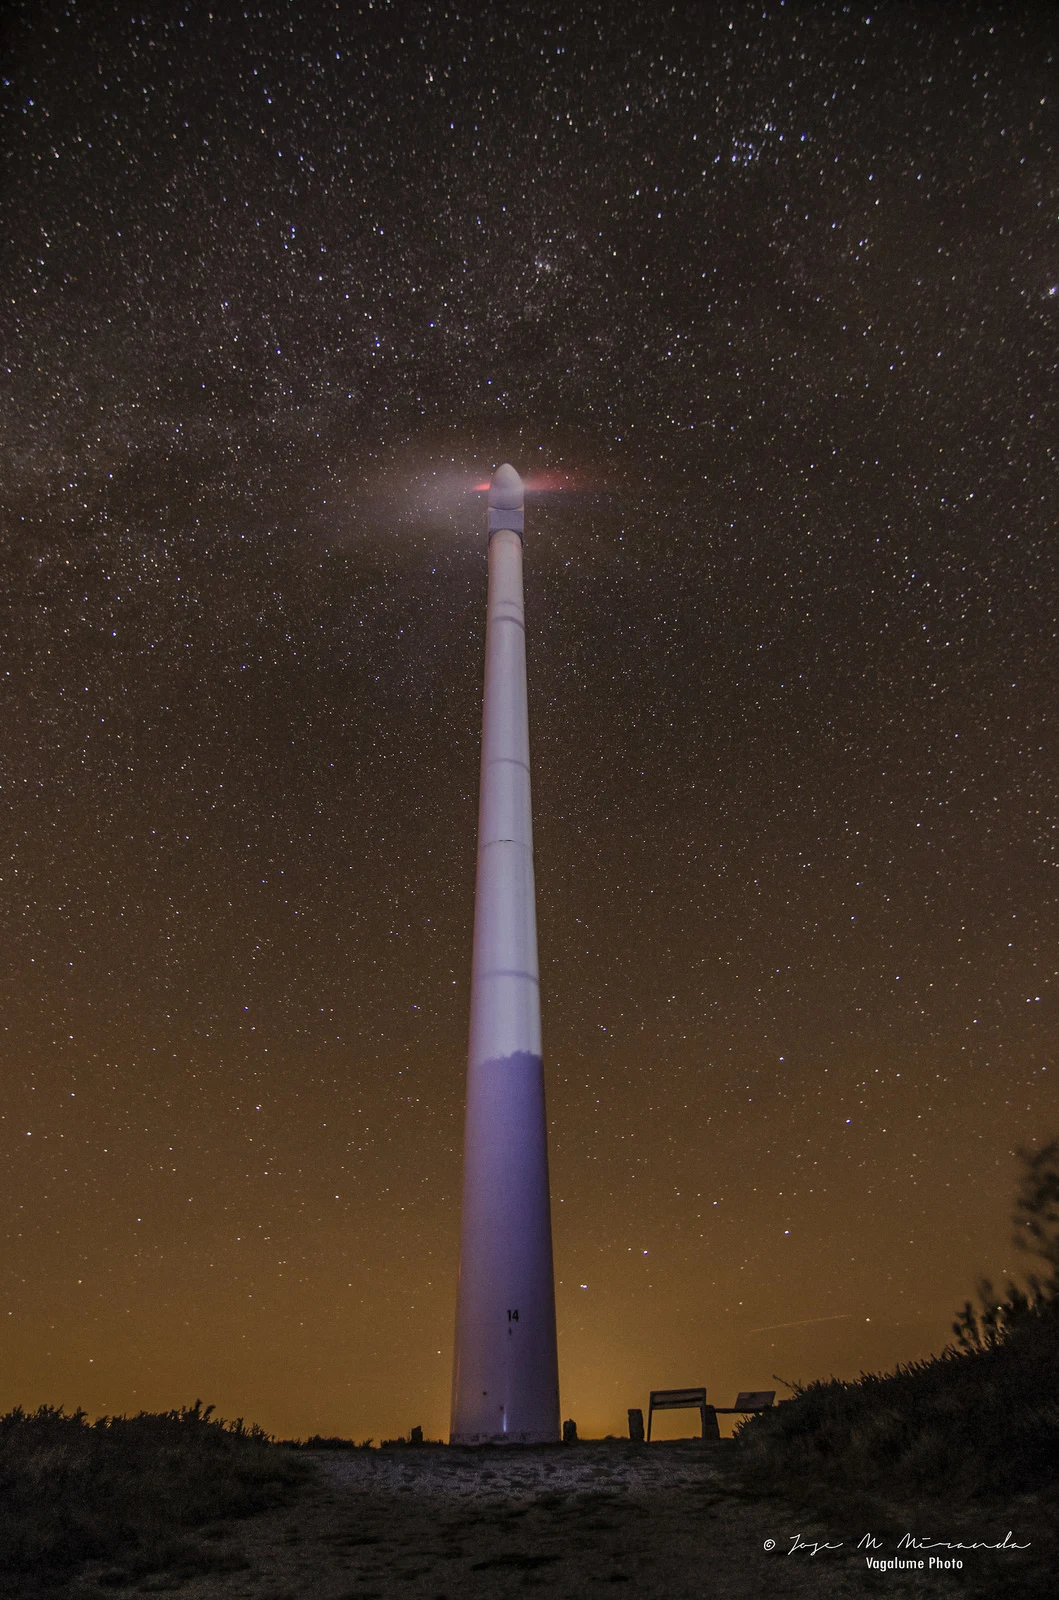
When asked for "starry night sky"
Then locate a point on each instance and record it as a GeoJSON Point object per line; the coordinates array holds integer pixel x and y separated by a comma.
{"type": "Point", "coordinates": [763, 299]}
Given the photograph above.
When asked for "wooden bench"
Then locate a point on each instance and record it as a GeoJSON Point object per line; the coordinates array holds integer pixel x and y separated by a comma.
{"type": "Point", "coordinates": [746, 1401]}
{"type": "Point", "coordinates": [680, 1400]}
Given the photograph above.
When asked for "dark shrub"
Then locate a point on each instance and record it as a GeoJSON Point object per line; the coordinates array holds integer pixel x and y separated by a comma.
{"type": "Point", "coordinates": [127, 1487]}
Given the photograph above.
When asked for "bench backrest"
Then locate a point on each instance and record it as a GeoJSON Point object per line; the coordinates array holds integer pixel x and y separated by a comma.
{"type": "Point", "coordinates": [676, 1399]}
{"type": "Point", "coordinates": [754, 1399]}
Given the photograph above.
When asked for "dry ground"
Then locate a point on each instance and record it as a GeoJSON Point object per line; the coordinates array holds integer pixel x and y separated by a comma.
{"type": "Point", "coordinates": [668, 1521]}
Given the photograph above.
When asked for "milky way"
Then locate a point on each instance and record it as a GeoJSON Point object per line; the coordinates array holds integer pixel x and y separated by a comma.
{"type": "Point", "coordinates": [764, 301]}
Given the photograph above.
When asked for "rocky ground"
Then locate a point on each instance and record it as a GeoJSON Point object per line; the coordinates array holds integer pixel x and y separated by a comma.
{"type": "Point", "coordinates": [669, 1520]}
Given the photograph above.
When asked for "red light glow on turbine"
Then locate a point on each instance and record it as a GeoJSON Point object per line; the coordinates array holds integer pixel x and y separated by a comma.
{"type": "Point", "coordinates": [548, 482]}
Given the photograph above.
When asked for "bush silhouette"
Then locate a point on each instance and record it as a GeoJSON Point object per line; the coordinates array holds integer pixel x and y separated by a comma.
{"type": "Point", "coordinates": [1036, 1231]}
{"type": "Point", "coordinates": [979, 1419]}
{"type": "Point", "coordinates": [128, 1488]}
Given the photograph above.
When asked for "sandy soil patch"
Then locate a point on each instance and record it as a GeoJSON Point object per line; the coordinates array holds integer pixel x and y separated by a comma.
{"type": "Point", "coordinates": [666, 1522]}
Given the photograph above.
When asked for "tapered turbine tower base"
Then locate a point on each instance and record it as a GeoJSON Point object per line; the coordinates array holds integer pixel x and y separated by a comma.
{"type": "Point", "coordinates": [505, 1385]}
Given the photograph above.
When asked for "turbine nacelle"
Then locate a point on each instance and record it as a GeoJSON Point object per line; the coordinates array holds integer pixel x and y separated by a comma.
{"type": "Point", "coordinates": [506, 501]}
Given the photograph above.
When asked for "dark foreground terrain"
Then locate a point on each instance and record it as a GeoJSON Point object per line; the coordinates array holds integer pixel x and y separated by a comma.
{"type": "Point", "coordinates": [667, 1521]}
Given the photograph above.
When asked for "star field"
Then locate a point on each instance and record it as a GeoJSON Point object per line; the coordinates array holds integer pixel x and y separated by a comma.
{"type": "Point", "coordinates": [765, 299]}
